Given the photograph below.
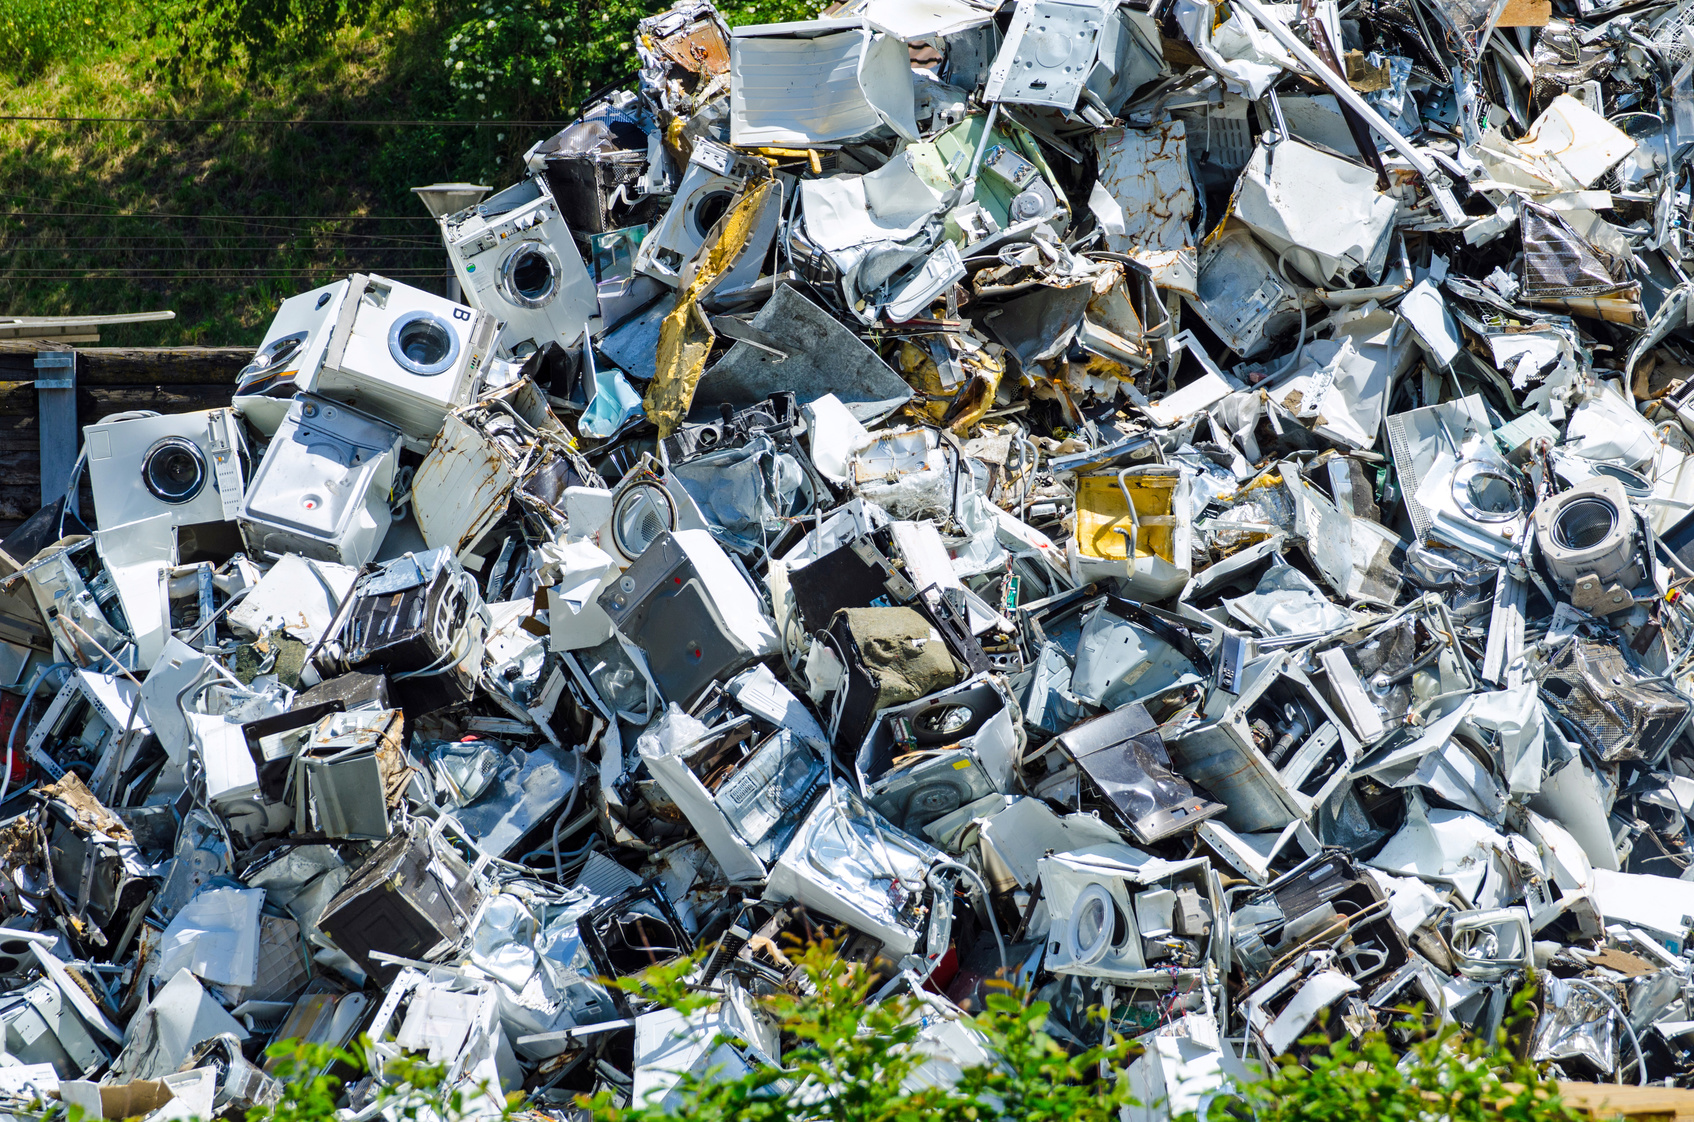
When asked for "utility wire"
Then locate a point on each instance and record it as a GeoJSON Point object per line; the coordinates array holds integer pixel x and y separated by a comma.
{"type": "Point", "coordinates": [26, 247]}
{"type": "Point", "coordinates": [120, 241]}
{"type": "Point", "coordinates": [279, 121]}
{"type": "Point", "coordinates": [257, 219]}
{"type": "Point", "coordinates": [109, 273]}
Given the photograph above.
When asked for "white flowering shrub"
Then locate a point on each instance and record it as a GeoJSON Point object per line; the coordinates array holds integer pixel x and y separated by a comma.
{"type": "Point", "coordinates": [529, 61]}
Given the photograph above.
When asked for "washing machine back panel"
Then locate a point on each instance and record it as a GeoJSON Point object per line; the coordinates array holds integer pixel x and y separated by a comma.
{"type": "Point", "coordinates": [186, 465]}
{"type": "Point", "coordinates": [405, 356]}
{"type": "Point", "coordinates": [516, 260]}
{"type": "Point", "coordinates": [322, 488]}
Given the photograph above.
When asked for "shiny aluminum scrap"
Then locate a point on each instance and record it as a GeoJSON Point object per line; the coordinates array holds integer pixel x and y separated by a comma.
{"type": "Point", "coordinates": [1186, 509]}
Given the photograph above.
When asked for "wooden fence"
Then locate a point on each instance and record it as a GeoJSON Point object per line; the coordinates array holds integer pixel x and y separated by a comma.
{"type": "Point", "coordinates": [108, 380]}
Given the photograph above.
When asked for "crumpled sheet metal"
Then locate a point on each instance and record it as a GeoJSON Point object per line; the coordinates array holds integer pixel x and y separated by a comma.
{"type": "Point", "coordinates": [685, 335]}
{"type": "Point", "coordinates": [1144, 174]}
{"type": "Point", "coordinates": [1211, 556]}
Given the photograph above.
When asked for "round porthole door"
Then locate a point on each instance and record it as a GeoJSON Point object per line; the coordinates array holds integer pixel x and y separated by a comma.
{"type": "Point", "coordinates": [529, 276]}
{"type": "Point", "coordinates": [174, 470]}
{"type": "Point", "coordinates": [423, 343]}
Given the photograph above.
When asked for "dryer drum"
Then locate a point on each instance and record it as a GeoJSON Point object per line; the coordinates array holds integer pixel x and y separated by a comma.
{"type": "Point", "coordinates": [1590, 530]}
{"type": "Point", "coordinates": [423, 343]}
{"type": "Point", "coordinates": [640, 514]}
{"type": "Point", "coordinates": [1486, 493]}
{"type": "Point", "coordinates": [529, 276]}
{"type": "Point", "coordinates": [174, 470]}
{"type": "Point", "coordinates": [1095, 926]}
{"type": "Point", "coordinates": [949, 721]}
{"type": "Point", "coordinates": [705, 210]}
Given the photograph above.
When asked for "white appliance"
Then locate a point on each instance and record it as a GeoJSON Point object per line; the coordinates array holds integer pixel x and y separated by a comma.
{"type": "Point", "coordinates": [187, 465]}
{"type": "Point", "coordinates": [322, 489]}
{"type": "Point", "coordinates": [289, 356]}
{"type": "Point", "coordinates": [403, 355]}
{"type": "Point", "coordinates": [713, 182]}
{"type": "Point", "coordinates": [516, 260]}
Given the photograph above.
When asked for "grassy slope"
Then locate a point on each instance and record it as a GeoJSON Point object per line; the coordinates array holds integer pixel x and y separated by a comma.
{"type": "Point", "coordinates": [205, 220]}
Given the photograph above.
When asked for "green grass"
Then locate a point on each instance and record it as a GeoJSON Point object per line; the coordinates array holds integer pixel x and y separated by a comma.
{"type": "Point", "coordinates": [220, 222]}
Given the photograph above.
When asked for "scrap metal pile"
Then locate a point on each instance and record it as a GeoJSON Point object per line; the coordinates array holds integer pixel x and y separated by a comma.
{"type": "Point", "coordinates": [1185, 507]}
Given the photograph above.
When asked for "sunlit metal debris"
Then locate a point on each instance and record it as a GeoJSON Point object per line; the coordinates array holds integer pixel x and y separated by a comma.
{"type": "Point", "coordinates": [1188, 510]}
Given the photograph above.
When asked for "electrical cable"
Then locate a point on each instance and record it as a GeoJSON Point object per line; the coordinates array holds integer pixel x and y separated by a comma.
{"type": "Point", "coordinates": [987, 902]}
{"type": "Point", "coordinates": [1293, 362]}
{"type": "Point", "coordinates": [260, 220]}
{"type": "Point", "coordinates": [208, 274]}
{"type": "Point", "coordinates": [570, 805]}
{"type": "Point", "coordinates": [1640, 1056]}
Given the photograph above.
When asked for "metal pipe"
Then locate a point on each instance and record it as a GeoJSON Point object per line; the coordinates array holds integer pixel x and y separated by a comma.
{"type": "Point", "coordinates": [1437, 183]}
{"type": "Point", "coordinates": [1134, 531]}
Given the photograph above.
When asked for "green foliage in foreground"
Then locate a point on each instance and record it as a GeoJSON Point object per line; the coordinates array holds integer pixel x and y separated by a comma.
{"type": "Point", "coordinates": [847, 1061]}
{"type": "Point", "coordinates": [1438, 1076]}
{"type": "Point", "coordinates": [414, 1091]}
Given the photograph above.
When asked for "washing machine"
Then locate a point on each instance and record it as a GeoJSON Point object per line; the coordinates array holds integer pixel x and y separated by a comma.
{"type": "Point", "coordinates": [186, 465]}
{"type": "Point", "coordinates": [403, 355]}
{"type": "Point", "coordinates": [515, 259]}
{"type": "Point", "coordinates": [714, 181]}
{"type": "Point", "coordinates": [289, 355]}
{"type": "Point", "coordinates": [323, 487]}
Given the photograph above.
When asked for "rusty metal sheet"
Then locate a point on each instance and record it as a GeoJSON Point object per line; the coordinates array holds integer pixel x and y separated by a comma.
{"type": "Point", "coordinates": [462, 487]}
{"type": "Point", "coordinates": [1145, 175]}
{"type": "Point", "coordinates": [699, 48]}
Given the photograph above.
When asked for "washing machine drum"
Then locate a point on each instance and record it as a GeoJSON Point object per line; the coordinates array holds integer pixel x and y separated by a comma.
{"type": "Point", "coordinates": [529, 276]}
{"type": "Point", "coordinates": [640, 514]}
{"type": "Point", "coordinates": [706, 208]}
{"type": "Point", "coordinates": [174, 470]}
{"type": "Point", "coordinates": [423, 343]}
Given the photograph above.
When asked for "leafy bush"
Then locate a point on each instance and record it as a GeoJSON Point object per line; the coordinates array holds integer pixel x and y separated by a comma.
{"type": "Point", "coordinates": [32, 32]}
{"type": "Point", "coordinates": [414, 1089]}
{"type": "Point", "coordinates": [541, 59]}
{"type": "Point", "coordinates": [532, 60]}
{"type": "Point", "coordinates": [249, 33]}
{"type": "Point", "coordinates": [847, 1060]}
{"type": "Point", "coordinates": [1440, 1074]}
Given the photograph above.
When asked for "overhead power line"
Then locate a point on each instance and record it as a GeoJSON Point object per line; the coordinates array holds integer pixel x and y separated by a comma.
{"type": "Point", "coordinates": [273, 121]}
{"type": "Point", "coordinates": [257, 220]}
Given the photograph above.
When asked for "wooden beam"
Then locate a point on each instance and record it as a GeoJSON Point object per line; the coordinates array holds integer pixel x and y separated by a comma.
{"type": "Point", "coordinates": [131, 366]}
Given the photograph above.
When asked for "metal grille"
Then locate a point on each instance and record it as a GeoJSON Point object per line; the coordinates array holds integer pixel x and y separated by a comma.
{"type": "Point", "coordinates": [1622, 715]}
{"type": "Point", "coordinates": [1668, 35]}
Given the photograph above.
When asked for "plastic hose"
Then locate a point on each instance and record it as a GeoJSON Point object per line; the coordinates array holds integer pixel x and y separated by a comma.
{"type": "Point", "coordinates": [1640, 1056]}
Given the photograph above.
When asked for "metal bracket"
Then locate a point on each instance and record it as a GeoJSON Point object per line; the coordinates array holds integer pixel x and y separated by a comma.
{"type": "Point", "coordinates": [55, 391]}
{"type": "Point", "coordinates": [62, 367]}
